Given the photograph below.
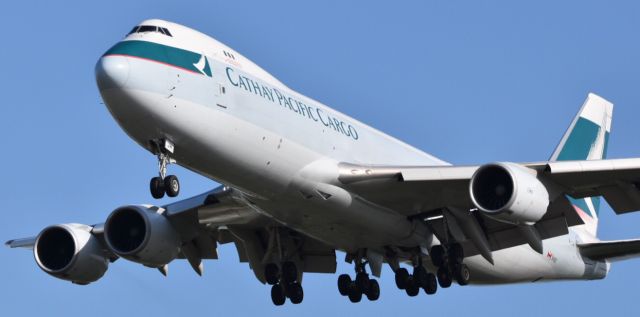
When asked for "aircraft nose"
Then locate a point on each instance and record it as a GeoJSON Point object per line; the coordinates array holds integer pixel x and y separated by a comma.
{"type": "Point", "coordinates": [112, 72]}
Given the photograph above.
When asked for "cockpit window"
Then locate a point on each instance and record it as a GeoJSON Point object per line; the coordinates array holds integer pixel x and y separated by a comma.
{"type": "Point", "coordinates": [147, 28]}
{"type": "Point", "coordinates": [135, 28]}
{"type": "Point", "coordinates": [150, 28]}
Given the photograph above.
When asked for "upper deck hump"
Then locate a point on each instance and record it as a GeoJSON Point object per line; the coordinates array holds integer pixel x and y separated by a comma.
{"type": "Point", "coordinates": [192, 40]}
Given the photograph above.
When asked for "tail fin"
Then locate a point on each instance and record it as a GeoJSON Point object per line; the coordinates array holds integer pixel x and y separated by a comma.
{"type": "Point", "coordinates": [587, 139]}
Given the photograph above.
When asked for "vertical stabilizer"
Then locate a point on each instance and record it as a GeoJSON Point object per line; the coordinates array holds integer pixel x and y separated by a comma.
{"type": "Point", "coordinates": [587, 139]}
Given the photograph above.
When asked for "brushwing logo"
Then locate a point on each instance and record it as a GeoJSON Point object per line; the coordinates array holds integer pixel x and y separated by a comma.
{"type": "Point", "coordinates": [203, 66]}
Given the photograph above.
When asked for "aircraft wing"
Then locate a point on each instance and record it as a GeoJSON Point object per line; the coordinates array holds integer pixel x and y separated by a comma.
{"type": "Point", "coordinates": [220, 216]}
{"type": "Point", "coordinates": [190, 217]}
{"type": "Point", "coordinates": [439, 194]}
{"type": "Point", "coordinates": [611, 250]}
{"type": "Point", "coordinates": [415, 189]}
{"type": "Point", "coordinates": [617, 180]}
{"type": "Point", "coordinates": [410, 190]}
{"type": "Point", "coordinates": [226, 215]}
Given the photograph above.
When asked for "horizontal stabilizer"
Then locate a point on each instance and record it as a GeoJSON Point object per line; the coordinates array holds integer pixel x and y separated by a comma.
{"type": "Point", "coordinates": [611, 250]}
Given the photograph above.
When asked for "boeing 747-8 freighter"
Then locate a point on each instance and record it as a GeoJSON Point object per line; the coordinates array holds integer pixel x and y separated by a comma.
{"type": "Point", "coordinates": [302, 181]}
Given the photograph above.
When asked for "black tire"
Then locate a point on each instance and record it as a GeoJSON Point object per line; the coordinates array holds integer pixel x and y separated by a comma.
{"type": "Point", "coordinates": [362, 282]}
{"type": "Point", "coordinates": [156, 186]}
{"type": "Point", "coordinates": [344, 283]}
{"type": "Point", "coordinates": [271, 273]}
{"type": "Point", "coordinates": [289, 272]}
{"type": "Point", "coordinates": [355, 295]}
{"type": "Point", "coordinates": [432, 284]}
{"type": "Point", "coordinates": [172, 185]}
{"type": "Point", "coordinates": [444, 279]}
{"type": "Point", "coordinates": [462, 274]}
{"type": "Point", "coordinates": [456, 253]}
{"type": "Point", "coordinates": [420, 276]}
{"type": "Point", "coordinates": [295, 293]}
{"type": "Point", "coordinates": [402, 276]}
{"type": "Point", "coordinates": [277, 295]}
{"type": "Point", "coordinates": [412, 288]}
{"type": "Point", "coordinates": [437, 255]}
{"type": "Point", "coordinates": [373, 292]}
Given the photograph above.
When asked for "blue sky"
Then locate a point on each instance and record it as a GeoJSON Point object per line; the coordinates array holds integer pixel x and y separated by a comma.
{"type": "Point", "coordinates": [470, 82]}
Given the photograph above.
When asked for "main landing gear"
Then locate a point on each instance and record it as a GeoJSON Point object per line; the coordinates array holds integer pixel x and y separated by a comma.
{"type": "Point", "coordinates": [164, 184]}
{"type": "Point", "coordinates": [284, 281]}
{"type": "Point", "coordinates": [420, 279]}
{"type": "Point", "coordinates": [448, 260]}
{"type": "Point", "coordinates": [361, 285]}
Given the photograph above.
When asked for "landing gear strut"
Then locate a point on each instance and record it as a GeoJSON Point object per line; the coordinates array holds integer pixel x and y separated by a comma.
{"type": "Point", "coordinates": [164, 183]}
{"type": "Point", "coordinates": [361, 285]}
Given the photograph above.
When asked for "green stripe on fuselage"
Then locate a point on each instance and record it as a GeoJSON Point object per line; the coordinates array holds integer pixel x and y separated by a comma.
{"type": "Point", "coordinates": [160, 53]}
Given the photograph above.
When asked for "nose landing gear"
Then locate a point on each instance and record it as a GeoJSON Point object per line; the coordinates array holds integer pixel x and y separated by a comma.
{"type": "Point", "coordinates": [164, 184]}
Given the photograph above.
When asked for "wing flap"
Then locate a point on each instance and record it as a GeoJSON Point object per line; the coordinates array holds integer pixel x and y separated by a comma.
{"type": "Point", "coordinates": [623, 198]}
{"type": "Point", "coordinates": [611, 250]}
{"type": "Point", "coordinates": [500, 235]}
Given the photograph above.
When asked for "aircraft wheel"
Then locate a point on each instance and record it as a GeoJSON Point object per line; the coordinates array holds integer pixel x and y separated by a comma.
{"type": "Point", "coordinates": [271, 273]}
{"type": "Point", "coordinates": [402, 276]}
{"type": "Point", "coordinates": [157, 187]}
{"type": "Point", "coordinates": [462, 274]}
{"type": "Point", "coordinates": [289, 272]}
{"type": "Point", "coordinates": [295, 293]}
{"type": "Point", "coordinates": [172, 185]}
{"type": "Point", "coordinates": [344, 282]}
{"type": "Point", "coordinates": [412, 288]}
{"type": "Point", "coordinates": [355, 295]}
{"type": "Point", "coordinates": [444, 279]}
{"type": "Point", "coordinates": [420, 276]}
{"type": "Point", "coordinates": [373, 291]}
{"type": "Point", "coordinates": [432, 285]}
{"type": "Point", "coordinates": [277, 295]}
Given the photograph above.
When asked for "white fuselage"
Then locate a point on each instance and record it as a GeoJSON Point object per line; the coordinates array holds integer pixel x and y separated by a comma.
{"type": "Point", "coordinates": [238, 125]}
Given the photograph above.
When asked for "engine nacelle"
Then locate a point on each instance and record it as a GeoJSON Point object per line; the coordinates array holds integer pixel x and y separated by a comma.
{"type": "Point", "coordinates": [142, 235]}
{"type": "Point", "coordinates": [70, 252]}
{"type": "Point", "coordinates": [509, 192]}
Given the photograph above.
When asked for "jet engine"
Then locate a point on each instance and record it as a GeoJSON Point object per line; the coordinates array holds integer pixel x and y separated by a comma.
{"type": "Point", "coordinates": [509, 193]}
{"type": "Point", "coordinates": [70, 252]}
{"type": "Point", "coordinates": [143, 235]}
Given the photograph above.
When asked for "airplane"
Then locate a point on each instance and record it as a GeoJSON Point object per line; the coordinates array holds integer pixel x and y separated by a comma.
{"type": "Point", "coordinates": [302, 181]}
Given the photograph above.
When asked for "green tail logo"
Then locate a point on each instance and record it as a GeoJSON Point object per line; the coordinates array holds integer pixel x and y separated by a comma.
{"type": "Point", "coordinates": [587, 139]}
